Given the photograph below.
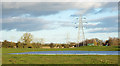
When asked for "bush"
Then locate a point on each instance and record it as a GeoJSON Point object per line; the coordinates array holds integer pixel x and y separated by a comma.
{"type": "Point", "coordinates": [34, 45]}
{"type": "Point", "coordinates": [60, 46]}
{"type": "Point", "coordinates": [28, 46]}
{"type": "Point", "coordinates": [71, 45]}
{"type": "Point", "coordinates": [66, 46]}
{"type": "Point", "coordinates": [20, 45]}
{"type": "Point", "coordinates": [39, 45]}
{"type": "Point", "coordinates": [52, 45]}
{"type": "Point", "coordinates": [5, 44]}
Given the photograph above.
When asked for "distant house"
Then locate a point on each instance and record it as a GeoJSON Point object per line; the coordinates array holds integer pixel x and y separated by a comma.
{"type": "Point", "coordinates": [90, 44]}
{"type": "Point", "coordinates": [94, 42]}
{"type": "Point", "coordinates": [72, 44]}
{"type": "Point", "coordinates": [107, 43]}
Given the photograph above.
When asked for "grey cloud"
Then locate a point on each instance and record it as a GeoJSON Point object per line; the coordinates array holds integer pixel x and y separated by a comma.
{"type": "Point", "coordinates": [25, 24]}
{"type": "Point", "coordinates": [105, 7]}
{"type": "Point", "coordinates": [103, 30]}
{"type": "Point", "coordinates": [17, 9]}
{"type": "Point", "coordinates": [111, 6]}
{"type": "Point", "coordinates": [110, 23]}
{"type": "Point", "coordinates": [66, 24]}
{"type": "Point", "coordinates": [46, 8]}
{"type": "Point", "coordinates": [34, 9]}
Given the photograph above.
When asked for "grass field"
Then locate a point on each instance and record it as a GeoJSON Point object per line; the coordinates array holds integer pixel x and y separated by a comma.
{"type": "Point", "coordinates": [59, 59]}
{"type": "Point", "coordinates": [83, 48]}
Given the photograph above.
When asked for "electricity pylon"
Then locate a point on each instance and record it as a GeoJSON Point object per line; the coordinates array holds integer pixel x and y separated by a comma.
{"type": "Point", "coordinates": [67, 38]}
{"type": "Point", "coordinates": [41, 40]}
{"type": "Point", "coordinates": [80, 31]}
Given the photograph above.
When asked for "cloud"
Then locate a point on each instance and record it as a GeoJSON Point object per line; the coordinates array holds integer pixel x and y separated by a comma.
{"type": "Point", "coordinates": [102, 30]}
{"type": "Point", "coordinates": [103, 24]}
{"type": "Point", "coordinates": [103, 6]}
{"type": "Point", "coordinates": [25, 24]}
{"type": "Point", "coordinates": [13, 14]}
{"type": "Point", "coordinates": [66, 24]}
{"type": "Point", "coordinates": [34, 9]}
{"type": "Point", "coordinates": [99, 25]}
{"type": "Point", "coordinates": [47, 8]}
{"type": "Point", "coordinates": [110, 21]}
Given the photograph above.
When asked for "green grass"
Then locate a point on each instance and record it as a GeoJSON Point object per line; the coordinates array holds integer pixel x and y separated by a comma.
{"type": "Point", "coordinates": [59, 59]}
{"type": "Point", "coordinates": [83, 48]}
{"type": "Point", "coordinates": [0, 56]}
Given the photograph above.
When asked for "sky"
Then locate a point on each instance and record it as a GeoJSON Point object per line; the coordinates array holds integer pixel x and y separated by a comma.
{"type": "Point", "coordinates": [53, 21]}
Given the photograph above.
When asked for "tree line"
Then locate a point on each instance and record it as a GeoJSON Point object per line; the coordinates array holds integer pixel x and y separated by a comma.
{"type": "Point", "coordinates": [26, 42]}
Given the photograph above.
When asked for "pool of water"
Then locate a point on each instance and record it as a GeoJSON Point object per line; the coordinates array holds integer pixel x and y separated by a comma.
{"type": "Point", "coordinates": [72, 53]}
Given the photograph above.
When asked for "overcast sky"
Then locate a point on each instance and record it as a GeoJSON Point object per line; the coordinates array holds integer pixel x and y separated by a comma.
{"type": "Point", "coordinates": [52, 21]}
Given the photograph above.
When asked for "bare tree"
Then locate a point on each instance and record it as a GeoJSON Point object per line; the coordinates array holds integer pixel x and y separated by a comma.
{"type": "Point", "coordinates": [27, 38]}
